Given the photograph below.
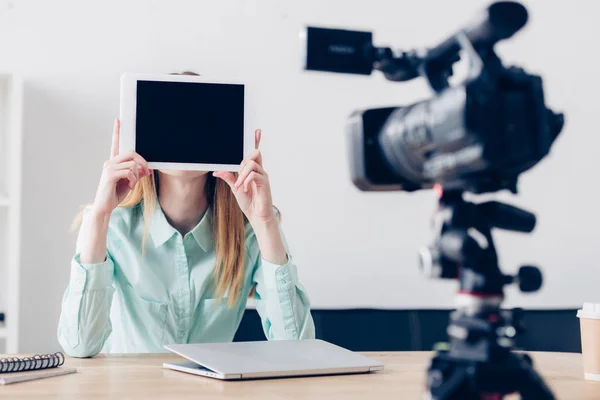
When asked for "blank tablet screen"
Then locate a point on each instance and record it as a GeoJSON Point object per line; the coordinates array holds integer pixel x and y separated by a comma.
{"type": "Point", "coordinates": [190, 122]}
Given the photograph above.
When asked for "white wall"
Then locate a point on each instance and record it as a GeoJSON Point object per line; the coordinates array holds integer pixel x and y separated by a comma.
{"type": "Point", "coordinates": [353, 249]}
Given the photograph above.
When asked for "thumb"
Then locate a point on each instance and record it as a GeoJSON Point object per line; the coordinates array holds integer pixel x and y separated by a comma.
{"type": "Point", "coordinates": [227, 177]}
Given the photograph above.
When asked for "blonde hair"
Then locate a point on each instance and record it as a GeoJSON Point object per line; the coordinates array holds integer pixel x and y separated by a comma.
{"type": "Point", "coordinates": [228, 226]}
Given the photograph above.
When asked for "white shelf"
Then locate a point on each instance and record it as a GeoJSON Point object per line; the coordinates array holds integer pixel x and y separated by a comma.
{"type": "Point", "coordinates": [11, 115]}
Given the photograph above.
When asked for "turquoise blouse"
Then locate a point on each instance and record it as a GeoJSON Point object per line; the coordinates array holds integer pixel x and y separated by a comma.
{"type": "Point", "coordinates": [135, 304]}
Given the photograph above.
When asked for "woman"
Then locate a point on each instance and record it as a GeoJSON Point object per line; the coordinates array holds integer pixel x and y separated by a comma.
{"type": "Point", "coordinates": [171, 257]}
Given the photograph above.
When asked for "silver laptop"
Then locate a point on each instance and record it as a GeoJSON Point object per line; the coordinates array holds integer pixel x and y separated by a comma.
{"type": "Point", "coordinates": [272, 359]}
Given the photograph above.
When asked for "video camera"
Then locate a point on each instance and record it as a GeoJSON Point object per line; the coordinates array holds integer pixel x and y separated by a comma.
{"type": "Point", "coordinates": [477, 136]}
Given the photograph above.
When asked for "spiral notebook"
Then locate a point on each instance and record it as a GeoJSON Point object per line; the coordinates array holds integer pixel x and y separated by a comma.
{"type": "Point", "coordinates": [14, 369]}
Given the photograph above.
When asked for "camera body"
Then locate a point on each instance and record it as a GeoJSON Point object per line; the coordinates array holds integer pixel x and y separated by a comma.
{"type": "Point", "coordinates": [478, 136]}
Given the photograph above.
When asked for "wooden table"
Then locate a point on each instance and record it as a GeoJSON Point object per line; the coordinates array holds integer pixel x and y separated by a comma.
{"type": "Point", "coordinates": [140, 376]}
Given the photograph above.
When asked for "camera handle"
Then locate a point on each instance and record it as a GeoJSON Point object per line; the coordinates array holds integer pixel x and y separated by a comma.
{"type": "Point", "coordinates": [412, 64]}
{"type": "Point", "coordinates": [437, 74]}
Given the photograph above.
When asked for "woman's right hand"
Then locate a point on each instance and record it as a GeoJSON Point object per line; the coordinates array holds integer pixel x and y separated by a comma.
{"type": "Point", "coordinates": [120, 174]}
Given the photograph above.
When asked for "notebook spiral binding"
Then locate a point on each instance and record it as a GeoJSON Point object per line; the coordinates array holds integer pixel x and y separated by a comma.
{"type": "Point", "coordinates": [37, 362]}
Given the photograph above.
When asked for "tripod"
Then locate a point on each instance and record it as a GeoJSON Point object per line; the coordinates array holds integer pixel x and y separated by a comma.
{"type": "Point", "coordinates": [479, 363]}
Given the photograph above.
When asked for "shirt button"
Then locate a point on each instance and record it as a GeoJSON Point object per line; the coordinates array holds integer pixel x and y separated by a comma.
{"type": "Point", "coordinates": [188, 238]}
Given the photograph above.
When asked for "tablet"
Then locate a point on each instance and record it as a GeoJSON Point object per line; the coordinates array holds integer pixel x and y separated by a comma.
{"type": "Point", "coordinates": [185, 122]}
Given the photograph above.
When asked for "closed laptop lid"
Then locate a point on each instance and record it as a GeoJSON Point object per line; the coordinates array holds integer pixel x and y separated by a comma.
{"type": "Point", "coordinates": [277, 356]}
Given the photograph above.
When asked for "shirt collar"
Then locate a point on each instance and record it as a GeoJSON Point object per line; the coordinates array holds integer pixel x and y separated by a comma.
{"type": "Point", "coordinates": [161, 231]}
{"type": "Point", "coordinates": [203, 232]}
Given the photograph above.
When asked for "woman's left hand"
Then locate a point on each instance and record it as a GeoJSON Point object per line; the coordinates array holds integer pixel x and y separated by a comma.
{"type": "Point", "coordinates": [252, 188]}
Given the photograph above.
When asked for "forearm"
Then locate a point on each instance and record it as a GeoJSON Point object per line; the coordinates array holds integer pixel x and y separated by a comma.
{"type": "Point", "coordinates": [270, 243]}
{"type": "Point", "coordinates": [93, 249]}
{"type": "Point", "coordinates": [280, 299]}
{"type": "Point", "coordinates": [282, 303]}
{"type": "Point", "coordinates": [85, 316]}
{"type": "Point", "coordinates": [286, 316]}
{"type": "Point", "coordinates": [83, 329]}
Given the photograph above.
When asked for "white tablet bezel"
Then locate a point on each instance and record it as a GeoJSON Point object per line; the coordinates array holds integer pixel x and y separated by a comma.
{"type": "Point", "coordinates": [128, 119]}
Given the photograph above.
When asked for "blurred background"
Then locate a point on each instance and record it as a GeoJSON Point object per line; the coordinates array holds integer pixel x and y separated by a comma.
{"type": "Point", "coordinates": [60, 63]}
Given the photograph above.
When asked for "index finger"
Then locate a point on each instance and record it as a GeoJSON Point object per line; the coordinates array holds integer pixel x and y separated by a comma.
{"type": "Point", "coordinates": [257, 137]}
{"type": "Point", "coordinates": [114, 149]}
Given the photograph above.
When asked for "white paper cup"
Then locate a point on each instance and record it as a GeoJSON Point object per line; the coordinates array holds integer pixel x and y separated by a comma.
{"type": "Point", "coordinates": [589, 320]}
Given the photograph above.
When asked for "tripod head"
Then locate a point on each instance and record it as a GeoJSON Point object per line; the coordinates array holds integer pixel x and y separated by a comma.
{"type": "Point", "coordinates": [463, 247]}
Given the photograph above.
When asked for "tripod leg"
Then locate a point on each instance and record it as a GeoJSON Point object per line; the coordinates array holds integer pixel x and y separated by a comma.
{"type": "Point", "coordinates": [448, 381]}
{"type": "Point", "coordinates": [533, 385]}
